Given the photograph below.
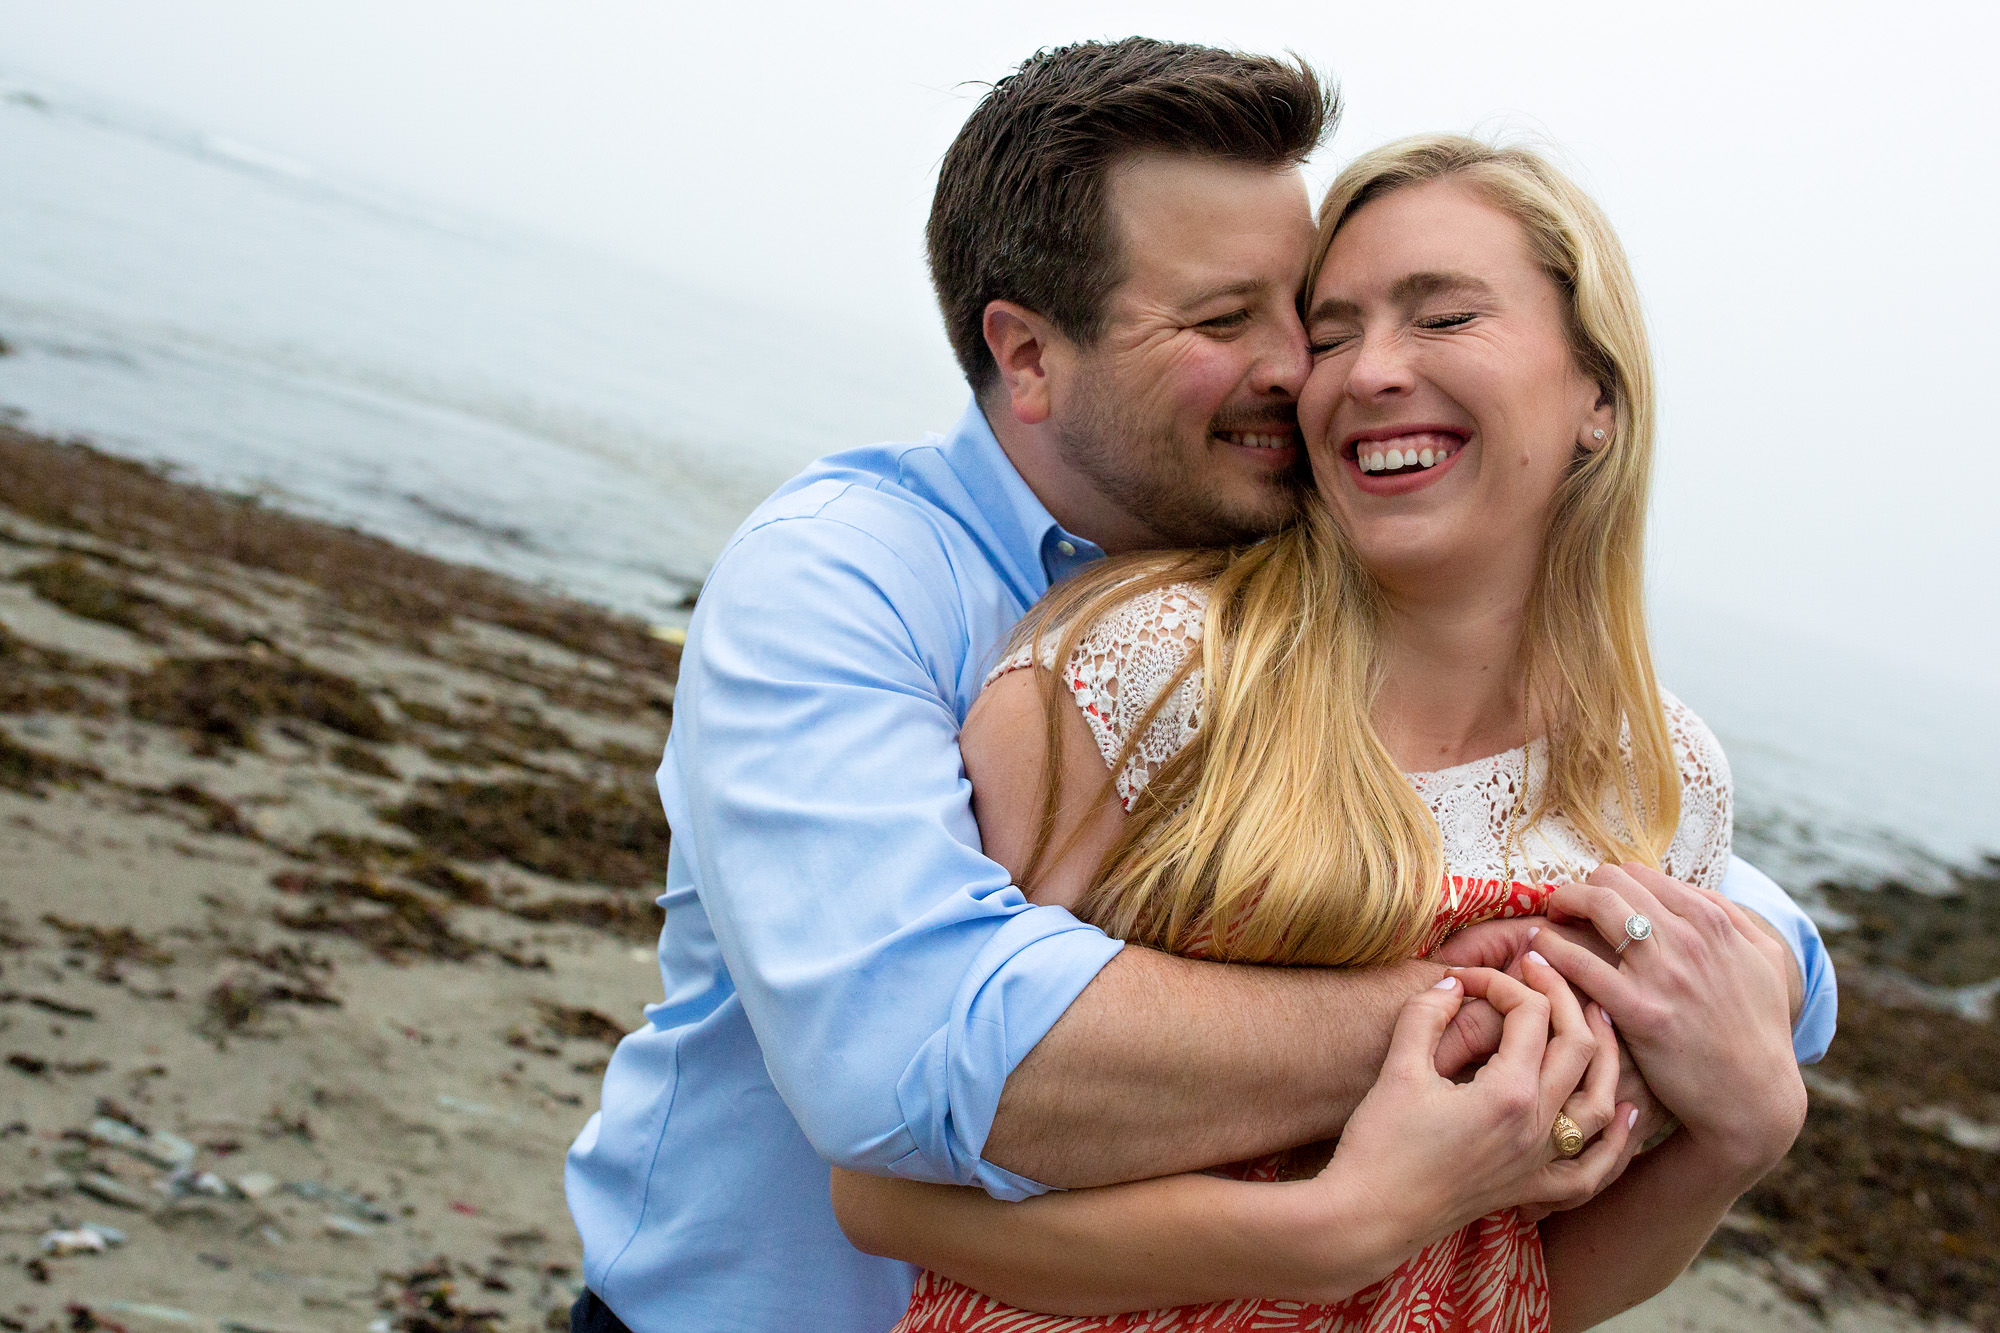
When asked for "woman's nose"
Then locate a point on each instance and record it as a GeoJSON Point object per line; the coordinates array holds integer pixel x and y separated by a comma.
{"type": "Point", "coordinates": [1381, 365]}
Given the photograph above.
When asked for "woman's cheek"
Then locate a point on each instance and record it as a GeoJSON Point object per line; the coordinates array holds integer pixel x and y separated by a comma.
{"type": "Point", "coordinates": [1316, 413]}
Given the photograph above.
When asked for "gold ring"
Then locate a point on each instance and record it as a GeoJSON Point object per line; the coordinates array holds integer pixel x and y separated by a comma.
{"type": "Point", "coordinates": [1567, 1135]}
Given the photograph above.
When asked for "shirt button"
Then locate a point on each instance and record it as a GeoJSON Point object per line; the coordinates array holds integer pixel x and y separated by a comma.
{"type": "Point", "coordinates": [1066, 548]}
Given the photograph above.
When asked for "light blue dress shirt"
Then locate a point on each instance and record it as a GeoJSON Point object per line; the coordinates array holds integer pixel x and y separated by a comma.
{"type": "Point", "coordinates": [847, 978]}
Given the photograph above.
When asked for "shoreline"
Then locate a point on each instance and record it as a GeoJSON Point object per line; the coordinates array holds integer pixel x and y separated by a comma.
{"type": "Point", "coordinates": [326, 879]}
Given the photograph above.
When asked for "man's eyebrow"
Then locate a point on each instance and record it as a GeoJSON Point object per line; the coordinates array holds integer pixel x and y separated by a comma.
{"type": "Point", "coordinates": [1406, 289]}
{"type": "Point", "coordinates": [1240, 287]}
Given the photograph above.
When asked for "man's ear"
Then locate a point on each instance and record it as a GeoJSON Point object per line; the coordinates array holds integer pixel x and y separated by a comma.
{"type": "Point", "coordinates": [1023, 344]}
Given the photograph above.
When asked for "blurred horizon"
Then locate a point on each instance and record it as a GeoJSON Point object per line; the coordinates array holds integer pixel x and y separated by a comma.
{"type": "Point", "coordinates": [567, 241]}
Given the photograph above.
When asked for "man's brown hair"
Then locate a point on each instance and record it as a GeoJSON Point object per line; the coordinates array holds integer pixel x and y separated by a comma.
{"type": "Point", "coordinates": [1020, 214]}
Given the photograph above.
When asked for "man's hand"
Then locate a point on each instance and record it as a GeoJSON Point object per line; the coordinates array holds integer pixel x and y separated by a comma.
{"type": "Point", "coordinates": [1470, 1040]}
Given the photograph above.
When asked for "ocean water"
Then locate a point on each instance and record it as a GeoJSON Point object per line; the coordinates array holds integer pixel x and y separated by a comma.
{"type": "Point", "coordinates": [487, 395]}
{"type": "Point", "coordinates": [588, 425]}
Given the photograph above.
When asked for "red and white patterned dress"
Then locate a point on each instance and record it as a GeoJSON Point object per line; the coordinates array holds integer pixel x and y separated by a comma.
{"type": "Point", "coordinates": [1489, 1275]}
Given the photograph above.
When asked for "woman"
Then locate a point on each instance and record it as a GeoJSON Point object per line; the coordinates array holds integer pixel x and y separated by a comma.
{"type": "Point", "coordinates": [1425, 705]}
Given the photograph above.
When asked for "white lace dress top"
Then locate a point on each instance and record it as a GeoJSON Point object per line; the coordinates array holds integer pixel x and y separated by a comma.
{"type": "Point", "coordinates": [1121, 666]}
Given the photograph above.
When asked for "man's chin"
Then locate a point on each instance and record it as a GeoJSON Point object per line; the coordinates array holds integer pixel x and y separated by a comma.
{"type": "Point", "coordinates": [1231, 526]}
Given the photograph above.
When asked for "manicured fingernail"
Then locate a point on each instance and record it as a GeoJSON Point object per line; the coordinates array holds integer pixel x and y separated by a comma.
{"type": "Point", "coordinates": [1446, 984]}
{"type": "Point", "coordinates": [1632, 1117]}
{"type": "Point", "coordinates": [1538, 958]}
{"type": "Point", "coordinates": [1607, 1016]}
{"type": "Point", "coordinates": [1534, 931]}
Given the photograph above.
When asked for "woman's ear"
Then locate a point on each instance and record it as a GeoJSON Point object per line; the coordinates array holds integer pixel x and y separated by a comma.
{"type": "Point", "coordinates": [1600, 425]}
{"type": "Point", "coordinates": [1023, 344]}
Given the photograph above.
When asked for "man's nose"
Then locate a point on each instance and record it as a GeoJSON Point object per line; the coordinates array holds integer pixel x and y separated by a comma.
{"type": "Point", "coordinates": [1283, 360]}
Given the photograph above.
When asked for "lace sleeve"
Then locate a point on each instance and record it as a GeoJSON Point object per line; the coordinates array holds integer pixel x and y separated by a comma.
{"type": "Point", "coordinates": [1699, 852]}
{"type": "Point", "coordinates": [1119, 668]}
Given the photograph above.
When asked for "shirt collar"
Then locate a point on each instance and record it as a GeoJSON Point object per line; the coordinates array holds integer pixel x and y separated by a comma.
{"type": "Point", "coordinates": [1020, 523]}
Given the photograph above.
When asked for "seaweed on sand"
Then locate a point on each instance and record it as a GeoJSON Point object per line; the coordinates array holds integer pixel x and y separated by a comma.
{"type": "Point", "coordinates": [221, 700]}
{"type": "Point", "coordinates": [1893, 1207]}
{"type": "Point", "coordinates": [30, 680]}
{"type": "Point", "coordinates": [362, 760]}
{"type": "Point", "coordinates": [631, 915]}
{"type": "Point", "coordinates": [27, 770]}
{"type": "Point", "coordinates": [1946, 938]}
{"type": "Point", "coordinates": [567, 1023]}
{"type": "Point", "coordinates": [426, 1300]}
{"type": "Point", "coordinates": [574, 830]}
{"type": "Point", "coordinates": [393, 923]}
{"type": "Point", "coordinates": [113, 946]}
{"type": "Point", "coordinates": [396, 924]}
{"type": "Point", "coordinates": [237, 1005]}
{"type": "Point", "coordinates": [67, 584]}
{"type": "Point", "coordinates": [382, 586]}
{"type": "Point", "coordinates": [1894, 1183]}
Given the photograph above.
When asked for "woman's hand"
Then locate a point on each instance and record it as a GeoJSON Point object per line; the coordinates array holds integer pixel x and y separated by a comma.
{"type": "Point", "coordinates": [1435, 1155]}
{"type": "Point", "coordinates": [1503, 944]}
{"type": "Point", "coordinates": [1701, 1002]}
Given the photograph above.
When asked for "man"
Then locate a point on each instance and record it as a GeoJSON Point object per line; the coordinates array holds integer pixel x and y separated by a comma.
{"type": "Point", "coordinates": [1118, 237]}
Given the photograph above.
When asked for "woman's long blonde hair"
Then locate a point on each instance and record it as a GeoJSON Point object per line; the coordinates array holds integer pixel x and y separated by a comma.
{"type": "Point", "coordinates": [1285, 832]}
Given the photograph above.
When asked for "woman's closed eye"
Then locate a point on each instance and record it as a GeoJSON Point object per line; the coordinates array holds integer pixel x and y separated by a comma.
{"type": "Point", "coordinates": [1229, 323]}
{"type": "Point", "coordinates": [1454, 320]}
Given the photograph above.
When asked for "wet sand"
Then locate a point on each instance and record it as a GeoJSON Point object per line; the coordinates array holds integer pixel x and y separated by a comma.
{"type": "Point", "coordinates": [325, 888]}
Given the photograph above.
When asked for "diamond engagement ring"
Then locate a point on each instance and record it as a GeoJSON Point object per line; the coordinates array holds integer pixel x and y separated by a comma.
{"type": "Point", "coordinates": [1637, 928]}
{"type": "Point", "coordinates": [1567, 1136]}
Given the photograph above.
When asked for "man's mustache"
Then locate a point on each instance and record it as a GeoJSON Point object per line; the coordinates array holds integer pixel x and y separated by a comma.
{"type": "Point", "coordinates": [1267, 422]}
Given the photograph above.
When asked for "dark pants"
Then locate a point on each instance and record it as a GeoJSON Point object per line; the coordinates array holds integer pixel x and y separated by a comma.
{"type": "Point", "coordinates": [590, 1315]}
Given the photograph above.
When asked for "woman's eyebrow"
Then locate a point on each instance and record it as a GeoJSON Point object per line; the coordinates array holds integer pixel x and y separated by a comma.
{"type": "Point", "coordinates": [1406, 289]}
{"type": "Point", "coordinates": [1415, 286]}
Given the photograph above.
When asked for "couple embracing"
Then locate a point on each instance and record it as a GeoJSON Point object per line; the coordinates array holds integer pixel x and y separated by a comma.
{"type": "Point", "coordinates": [1201, 845]}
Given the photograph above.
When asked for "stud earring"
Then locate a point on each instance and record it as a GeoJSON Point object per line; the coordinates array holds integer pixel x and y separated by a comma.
{"type": "Point", "coordinates": [1597, 434]}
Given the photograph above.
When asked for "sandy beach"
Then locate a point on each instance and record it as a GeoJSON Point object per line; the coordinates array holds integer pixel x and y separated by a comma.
{"type": "Point", "coordinates": [326, 873]}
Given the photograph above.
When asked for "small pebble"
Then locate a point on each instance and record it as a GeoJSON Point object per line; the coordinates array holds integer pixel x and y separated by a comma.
{"type": "Point", "coordinates": [80, 1241]}
{"type": "Point", "coordinates": [257, 1184]}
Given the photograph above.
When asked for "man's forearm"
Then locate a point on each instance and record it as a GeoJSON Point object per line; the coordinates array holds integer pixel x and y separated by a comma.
{"type": "Point", "coordinates": [1167, 1064]}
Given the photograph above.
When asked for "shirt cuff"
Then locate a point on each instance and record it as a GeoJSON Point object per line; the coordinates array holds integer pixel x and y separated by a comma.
{"type": "Point", "coordinates": [1747, 886]}
{"type": "Point", "coordinates": [1018, 986]}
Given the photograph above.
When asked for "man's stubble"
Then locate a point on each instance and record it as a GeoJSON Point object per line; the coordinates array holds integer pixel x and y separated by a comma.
{"type": "Point", "coordinates": [1158, 478]}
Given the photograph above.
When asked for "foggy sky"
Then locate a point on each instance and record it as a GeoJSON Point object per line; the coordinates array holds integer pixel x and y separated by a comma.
{"type": "Point", "coordinates": [1807, 193]}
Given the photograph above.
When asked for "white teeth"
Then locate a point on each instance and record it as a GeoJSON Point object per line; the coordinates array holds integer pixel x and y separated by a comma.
{"type": "Point", "coordinates": [1391, 460]}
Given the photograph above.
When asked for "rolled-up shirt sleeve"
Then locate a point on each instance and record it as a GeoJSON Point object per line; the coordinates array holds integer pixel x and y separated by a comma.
{"type": "Point", "coordinates": [1812, 1032]}
{"type": "Point", "coordinates": [893, 974]}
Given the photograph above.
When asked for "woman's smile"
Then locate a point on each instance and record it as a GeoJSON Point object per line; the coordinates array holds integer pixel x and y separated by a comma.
{"type": "Point", "coordinates": [1396, 460]}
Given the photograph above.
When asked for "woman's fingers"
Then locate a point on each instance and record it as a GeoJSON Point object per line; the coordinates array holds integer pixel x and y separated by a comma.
{"type": "Point", "coordinates": [1710, 913]}
{"type": "Point", "coordinates": [1524, 1021]}
{"type": "Point", "coordinates": [1420, 1027]}
{"type": "Point", "coordinates": [1608, 899]}
{"type": "Point", "coordinates": [1584, 970]}
{"type": "Point", "coordinates": [1571, 1043]}
{"type": "Point", "coordinates": [1592, 1102]}
{"type": "Point", "coordinates": [1566, 1184]}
